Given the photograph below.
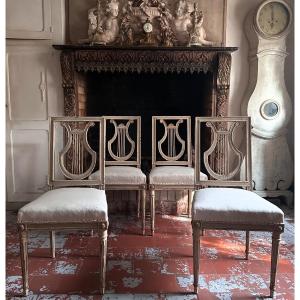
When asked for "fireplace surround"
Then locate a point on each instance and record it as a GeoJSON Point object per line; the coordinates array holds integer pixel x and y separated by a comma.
{"type": "Point", "coordinates": [85, 67]}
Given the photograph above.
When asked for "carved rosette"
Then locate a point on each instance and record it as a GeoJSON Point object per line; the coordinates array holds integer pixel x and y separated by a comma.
{"type": "Point", "coordinates": [223, 84]}
{"type": "Point", "coordinates": [68, 82]}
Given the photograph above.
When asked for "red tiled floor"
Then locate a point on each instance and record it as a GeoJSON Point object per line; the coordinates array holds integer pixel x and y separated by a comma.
{"type": "Point", "coordinates": [145, 267]}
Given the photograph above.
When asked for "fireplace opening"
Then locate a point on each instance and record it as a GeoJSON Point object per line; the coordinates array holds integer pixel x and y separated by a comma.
{"type": "Point", "coordinates": [147, 95]}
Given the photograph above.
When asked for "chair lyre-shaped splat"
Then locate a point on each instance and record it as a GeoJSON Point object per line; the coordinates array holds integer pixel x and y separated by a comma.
{"type": "Point", "coordinates": [76, 141]}
{"type": "Point", "coordinates": [121, 137]}
{"type": "Point", "coordinates": [172, 136]}
{"type": "Point", "coordinates": [222, 144]}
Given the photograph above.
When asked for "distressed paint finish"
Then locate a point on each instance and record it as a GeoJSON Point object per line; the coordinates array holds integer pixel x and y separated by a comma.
{"type": "Point", "coordinates": [150, 268]}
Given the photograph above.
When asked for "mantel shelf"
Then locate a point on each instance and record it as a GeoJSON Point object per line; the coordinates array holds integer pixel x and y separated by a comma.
{"type": "Point", "coordinates": [75, 47]}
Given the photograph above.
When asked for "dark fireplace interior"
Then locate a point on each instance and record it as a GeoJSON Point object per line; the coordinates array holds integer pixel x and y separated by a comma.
{"type": "Point", "coordinates": [147, 95]}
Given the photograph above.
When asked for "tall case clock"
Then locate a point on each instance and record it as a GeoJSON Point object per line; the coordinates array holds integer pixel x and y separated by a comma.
{"type": "Point", "coordinates": [267, 101]}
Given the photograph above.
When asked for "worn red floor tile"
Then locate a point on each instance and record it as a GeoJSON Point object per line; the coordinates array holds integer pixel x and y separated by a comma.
{"type": "Point", "coordinates": [158, 267]}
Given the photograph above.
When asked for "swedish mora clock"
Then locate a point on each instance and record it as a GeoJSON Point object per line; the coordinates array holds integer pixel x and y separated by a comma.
{"type": "Point", "coordinates": [267, 101]}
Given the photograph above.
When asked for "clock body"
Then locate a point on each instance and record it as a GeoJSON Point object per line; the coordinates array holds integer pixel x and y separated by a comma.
{"type": "Point", "coordinates": [266, 100]}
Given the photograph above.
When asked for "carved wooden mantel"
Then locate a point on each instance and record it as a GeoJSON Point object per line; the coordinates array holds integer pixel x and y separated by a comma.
{"type": "Point", "coordinates": [77, 59]}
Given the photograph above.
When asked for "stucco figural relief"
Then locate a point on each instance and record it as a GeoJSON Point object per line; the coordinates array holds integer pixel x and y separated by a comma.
{"type": "Point", "coordinates": [146, 22]}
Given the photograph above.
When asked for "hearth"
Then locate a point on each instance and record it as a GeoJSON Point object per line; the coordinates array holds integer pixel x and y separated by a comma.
{"type": "Point", "coordinates": [102, 80]}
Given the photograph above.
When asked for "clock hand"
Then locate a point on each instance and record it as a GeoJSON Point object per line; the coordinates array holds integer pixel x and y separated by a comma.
{"type": "Point", "coordinates": [272, 16]}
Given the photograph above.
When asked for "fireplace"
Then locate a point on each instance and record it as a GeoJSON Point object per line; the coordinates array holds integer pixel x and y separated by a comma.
{"type": "Point", "coordinates": [99, 80]}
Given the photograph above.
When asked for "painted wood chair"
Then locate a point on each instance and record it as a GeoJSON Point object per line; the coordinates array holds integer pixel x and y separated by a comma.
{"type": "Point", "coordinates": [73, 201]}
{"type": "Point", "coordinates": [171, 158]}
{"type": "Point", "coordinates": [123, 158]}
{"type": "Point", "coordinates": [228, 203]}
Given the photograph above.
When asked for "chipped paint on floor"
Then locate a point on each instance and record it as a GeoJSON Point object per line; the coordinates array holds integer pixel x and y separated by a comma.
{"type": "Point", "coordinates": [150, 268]}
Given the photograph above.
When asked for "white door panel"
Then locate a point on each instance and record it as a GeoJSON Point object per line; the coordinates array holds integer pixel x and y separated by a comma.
{"type": "Point", "coordinates": [30, 19]}
{"type": "Point", "coordinates": [27, 151]}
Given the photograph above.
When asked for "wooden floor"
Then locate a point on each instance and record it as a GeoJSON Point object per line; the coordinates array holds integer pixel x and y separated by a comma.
{"type": "Point", "coordinates": [158, 267]}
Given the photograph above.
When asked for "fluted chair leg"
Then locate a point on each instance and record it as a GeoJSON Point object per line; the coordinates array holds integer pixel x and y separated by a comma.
{"type": "Point", "coordinates": [23, 234]}
{"type": "Point", "coordinates": [138, 199]}
{"type": "Point", "coordinates": [274, 260]}
{"type": "Point", "coordinates": [103, 252]}
{"type": "Point", "coordinates": [196, 249]}
{"type": "Point", "coordinates": [143, 192]}
{"type": "Point", "coordinates": [247, 244]}
{"type": "Point", "coordinates": [52, 243]}
{"type": "Point", "coordinates": [190, 199]}
{"type": "Point", "coordinates": [152, 212]}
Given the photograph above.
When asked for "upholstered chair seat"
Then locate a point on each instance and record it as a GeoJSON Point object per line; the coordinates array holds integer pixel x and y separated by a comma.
{"type": "Point", "coordinates": [233, 205]}
{"type": "Point", "coordinates": [66, 205]}
{"type": "Point", "coordinates": [122, 175]}
{"type": "Point", "coordinates": [169, 175]}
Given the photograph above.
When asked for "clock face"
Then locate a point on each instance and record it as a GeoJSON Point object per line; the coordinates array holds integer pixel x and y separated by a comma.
{"type": "Point", "coordinates": [269, 109]}
{"type": "Point", "coordinates": [147, 27]}
{"type": "Point", "coordinates": [273, 18]}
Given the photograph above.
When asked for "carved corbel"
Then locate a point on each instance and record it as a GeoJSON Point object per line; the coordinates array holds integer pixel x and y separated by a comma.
{"type": "Point", "coordinates": [223, 84]}
{"type": "Point", "coordinates": [68, 82]}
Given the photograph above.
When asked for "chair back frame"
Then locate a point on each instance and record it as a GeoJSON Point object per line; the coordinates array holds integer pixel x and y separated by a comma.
{"type": "Point", "coordinates": [120, 137]}
{"type": "Point", "coordinates": [75, 136]}
{"type": "Point", "coordinates": [222, 141]}
{"type": "Point", "coordinates": [171, 135]}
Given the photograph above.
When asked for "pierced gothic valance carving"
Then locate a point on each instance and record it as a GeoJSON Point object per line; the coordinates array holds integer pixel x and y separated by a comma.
{"type": "Point", "coordinates": [77, 59]}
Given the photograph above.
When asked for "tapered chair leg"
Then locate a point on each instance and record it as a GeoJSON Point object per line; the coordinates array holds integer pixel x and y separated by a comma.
{"type": "Point", "coordinates": [138, 196]}
{"type": "Point", "coordinates": [24, 257]}
{"type": "Point", "coordinates": [196, 248]}
{"type": "Point", "coordinates": [247, 244]}
{"type": "Point", "coordinates": [103, 252]}
{"type": "Point", "coordinates": [52, 243]}
{"type": "Point", "coordinates": [152, 211]}
{"type": "Point", "coordinates": [274, 260]}
{"type": "Point", "coordinates": [190, 198]}
{"type": "Point", "coordinates": [143, 192]}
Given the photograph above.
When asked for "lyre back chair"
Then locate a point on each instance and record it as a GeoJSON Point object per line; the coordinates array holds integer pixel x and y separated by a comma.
{"type": "Point", "coordinates": [171, 158]}
{"type": "Point", "coordinates": [74, 201]}
{"type": "Point", "coordinates": [227, 201]}
{"type": "Point", "coordinates": [123, 157]}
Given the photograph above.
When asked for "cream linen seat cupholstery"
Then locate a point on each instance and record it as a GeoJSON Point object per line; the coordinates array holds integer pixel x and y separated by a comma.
{"type": "Point", "coordinates": [123, 158]}
{"type": "Point", "coordinates": [73, 201]}
{"type": "Point", "coordinates": [171, 158]}
{"type": "Point", "coordinates": [227, 201]}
